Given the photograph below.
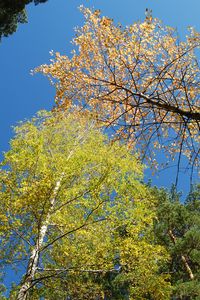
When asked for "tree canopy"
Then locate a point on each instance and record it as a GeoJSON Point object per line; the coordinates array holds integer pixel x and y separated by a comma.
{"type": "Point", "coordinates": [178, 229]}
{"type": "Point", "coordinates": [76, 218]}
{"type": "Point", "coordinates": [141, 81]}
{"type": "Point", "coordinates": [13, 12]}
{"type": "Point", "coordinates": [73, 210]}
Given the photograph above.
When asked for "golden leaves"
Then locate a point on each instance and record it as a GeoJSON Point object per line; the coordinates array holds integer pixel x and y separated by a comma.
{"type": "Point", "coordinates": [106, 21]}
{"type": "Point", "coordinates": [140, 76]}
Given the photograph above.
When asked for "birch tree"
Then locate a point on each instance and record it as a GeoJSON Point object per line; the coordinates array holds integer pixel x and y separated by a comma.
{"type": "Point", "coordinates": [141, 81]}
{"type": "Point", "coordinates": [65, 194]}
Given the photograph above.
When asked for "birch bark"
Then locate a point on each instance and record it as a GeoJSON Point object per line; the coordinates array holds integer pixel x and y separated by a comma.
{"type": "Point", "coordinates": [34, 257]}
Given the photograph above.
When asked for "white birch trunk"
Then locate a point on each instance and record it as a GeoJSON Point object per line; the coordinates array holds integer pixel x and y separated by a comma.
{"type": "Point", "coordinates": [34, 257]}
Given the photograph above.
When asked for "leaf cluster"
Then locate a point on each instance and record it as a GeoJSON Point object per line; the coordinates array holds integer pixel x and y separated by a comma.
{"type": "Point", "coordinates": [99, 224]}
{"type": "Point", "coordinates": [140, 80]}
{"type": "Point", "coordinates": [12, 13]}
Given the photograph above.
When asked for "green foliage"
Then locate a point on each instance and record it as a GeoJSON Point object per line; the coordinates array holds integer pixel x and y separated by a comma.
{"type": "Point", "coordinates": [62, 174]}
{"type": "Point", "coordinates": [12, 13]}
{"type": "Point", "coordinates": [178, 229]}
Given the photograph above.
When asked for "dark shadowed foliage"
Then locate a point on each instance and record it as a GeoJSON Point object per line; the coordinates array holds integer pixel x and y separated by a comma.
{"type": "Point", "coordinates": [13, 12]}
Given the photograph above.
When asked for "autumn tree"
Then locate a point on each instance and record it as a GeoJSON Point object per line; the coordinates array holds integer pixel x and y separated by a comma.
{"type": "Point", "coordinates": [73, 205]}
{"type": "Point", "coordinates": [141, 81]}
{"type": "Point", "coordinates": [13, 12]}
{"type": "Point", "coordinates": [178, 229]}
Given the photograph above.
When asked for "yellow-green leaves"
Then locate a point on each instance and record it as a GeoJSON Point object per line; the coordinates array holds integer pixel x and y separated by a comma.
{"type": "Point", "coordinates": [73, 206]}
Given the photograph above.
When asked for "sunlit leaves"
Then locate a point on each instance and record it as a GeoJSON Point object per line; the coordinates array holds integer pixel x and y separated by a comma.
{"type": "Point", "coordinates": [77, 200]}
{"type": "Point", "coordinates": [140, 80]}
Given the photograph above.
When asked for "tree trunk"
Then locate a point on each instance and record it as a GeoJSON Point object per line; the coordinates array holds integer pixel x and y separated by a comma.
{"type": "Point", "coordinates": [34, 257]}
{"type": "Point", "coordinates": [183, 258]}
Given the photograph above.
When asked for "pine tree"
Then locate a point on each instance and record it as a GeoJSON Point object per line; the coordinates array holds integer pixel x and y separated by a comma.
{"type": "Point", "coordinates": [178, 229]}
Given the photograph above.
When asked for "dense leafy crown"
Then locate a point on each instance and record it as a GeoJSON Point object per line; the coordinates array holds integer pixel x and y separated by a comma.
{"type": "Point", "coordinates": [74, 210]}
{"type": "Point", "coordinates": [140, 80]}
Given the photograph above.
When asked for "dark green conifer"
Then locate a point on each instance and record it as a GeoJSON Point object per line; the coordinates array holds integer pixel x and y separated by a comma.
{"type": "Point", "coordinates": [178, 228]}
{"type": "Point", "coordinates": [13, 12]}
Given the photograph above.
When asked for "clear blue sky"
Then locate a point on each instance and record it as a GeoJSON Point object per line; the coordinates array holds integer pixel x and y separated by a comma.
{"type": "Point", "coordinates": [50, 26]}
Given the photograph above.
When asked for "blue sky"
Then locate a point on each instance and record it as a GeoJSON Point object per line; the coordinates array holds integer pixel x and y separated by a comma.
{"type": "Point", "coordinates": [51, 26]}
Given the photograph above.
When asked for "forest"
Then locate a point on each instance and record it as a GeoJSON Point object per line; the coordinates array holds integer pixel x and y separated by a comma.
{"type": "Point", "coordinates": [79, 219]}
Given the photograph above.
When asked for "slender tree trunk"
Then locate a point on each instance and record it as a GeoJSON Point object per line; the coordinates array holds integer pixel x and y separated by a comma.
{"type": "Point", "coordinates": [34, 257]}
{"type": "Point", "coordinates": [183, 258]}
